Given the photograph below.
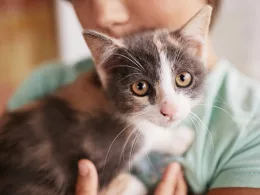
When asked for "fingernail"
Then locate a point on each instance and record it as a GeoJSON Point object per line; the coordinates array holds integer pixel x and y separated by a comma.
{"type": "Point", "coordinates": [83, 169]}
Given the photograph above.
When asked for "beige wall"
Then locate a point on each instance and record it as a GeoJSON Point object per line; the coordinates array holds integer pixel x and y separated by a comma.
{"type": "Point", "coordinates": [28, 38]}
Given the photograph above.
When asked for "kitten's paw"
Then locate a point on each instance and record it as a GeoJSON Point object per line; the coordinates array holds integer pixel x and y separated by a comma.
{"type": "Point", "coordinates": [182, 140]}
{"type": "Point", "coordinates": [125, 184]}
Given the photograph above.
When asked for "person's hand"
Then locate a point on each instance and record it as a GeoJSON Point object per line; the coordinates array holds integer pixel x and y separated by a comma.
{"type": "Point", "coordinates": [172, 182]}
{"type": "Point", "coordinates": [87, 183]}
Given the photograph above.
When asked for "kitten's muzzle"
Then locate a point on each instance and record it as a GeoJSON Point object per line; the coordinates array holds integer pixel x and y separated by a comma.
{"type": "Point", "coordinates": [168, 110]}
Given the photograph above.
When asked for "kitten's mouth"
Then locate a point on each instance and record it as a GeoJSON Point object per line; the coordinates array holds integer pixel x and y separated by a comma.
{"type": "Point", "coordinates": [168, 122]}
{"type": "Point", "coordinates": [171, 120]}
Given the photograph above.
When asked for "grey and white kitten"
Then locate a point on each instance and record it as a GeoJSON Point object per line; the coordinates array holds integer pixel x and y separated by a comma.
{"type": "Point", "coordinates": [142, 85]}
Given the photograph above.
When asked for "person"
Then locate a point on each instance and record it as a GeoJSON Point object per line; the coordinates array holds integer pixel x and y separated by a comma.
{"type": "Point", "coordinates": [225, 155]}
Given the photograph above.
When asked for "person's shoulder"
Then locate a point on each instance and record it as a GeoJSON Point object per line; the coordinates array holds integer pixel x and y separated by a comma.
{"type": "Point", "coordinates": [239, 92]}
{"type": "Point", "coordinates": [61, 71]}
{"type": "Point", "coordinates": [240, 137]}
{"type": "Point", "coordinates": [244, 90]}
{"type": "Point", "coordinates": [234, 109]}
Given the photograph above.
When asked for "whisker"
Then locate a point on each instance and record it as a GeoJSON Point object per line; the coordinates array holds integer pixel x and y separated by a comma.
{"type": "Point", "coordinates": [218, 108]}
{"type": "Point", "coordinates": [192, 122]}
{"type": "Point", "coordinates": [122, 153]}
{"type": "Point", "coordinates": [112, 144]}
{"type": "Point", "coordinates": [132, 148]}
{"type": "Point", "coordinates": [136, 73]}
{"type": "Point", "coordinates": [137, 63]}
{"type": "Point", "coordinates": [124, 66]}
{"type": "Point", "coordinates": [130, 135]}
{"type": "Point", "coordinates": [130, 60]}
{"type": "Point", "coordinates": [197, 119]}
{"type": "Point", "coordinates": [150, 162]}
{"type": "Point", "coordinates": [139, 114]}
{"type": "Point", "coordinates": [225, 103]}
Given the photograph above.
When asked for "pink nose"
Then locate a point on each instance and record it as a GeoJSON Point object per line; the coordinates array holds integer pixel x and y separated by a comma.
{"type": "Point", "coordinates": [168, 109]}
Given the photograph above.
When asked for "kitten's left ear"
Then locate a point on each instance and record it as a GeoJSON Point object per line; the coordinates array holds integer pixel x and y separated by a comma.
{"type": "Point", "coordinates": [101, 46]}
{"type": "Point", "coordinates": [196, 30]}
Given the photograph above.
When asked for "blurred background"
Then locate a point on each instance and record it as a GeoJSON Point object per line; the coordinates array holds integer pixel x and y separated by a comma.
{"type": "Point", "coordinates": [33, 32]}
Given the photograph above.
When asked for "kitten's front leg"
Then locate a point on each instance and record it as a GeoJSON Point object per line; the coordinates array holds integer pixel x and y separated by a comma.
{"type": "Point", "coordinates": [124, 184]}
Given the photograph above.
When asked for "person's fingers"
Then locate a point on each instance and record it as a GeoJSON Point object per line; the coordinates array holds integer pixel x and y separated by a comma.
{"type": "Point", "coordinates": [87, 183]}
{"type": "Point", "coordinates": [167, 185]}
{"type": "Point", "coordinates": [181, 186]}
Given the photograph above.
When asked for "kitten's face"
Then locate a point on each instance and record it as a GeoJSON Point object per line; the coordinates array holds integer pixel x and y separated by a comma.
{"type": "Point", "coordinates": [155, 76]}
{"type": "Point", "coordinates": [153, 79]}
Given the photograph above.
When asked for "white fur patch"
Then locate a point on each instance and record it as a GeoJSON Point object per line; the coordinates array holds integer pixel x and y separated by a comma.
{"type": "Point", "coordinates": [180, 101]}
{"type": "Point", "coordinates": [166, 78]}
{"type": "Point", "coordinates": [156, 138]}
{"type": "Point", "coordinates": [125, 184]}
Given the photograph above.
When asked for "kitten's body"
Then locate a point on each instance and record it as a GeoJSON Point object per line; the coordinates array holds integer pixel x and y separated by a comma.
{"type": "Point", "coordinates": [41, 145]}
{"type": "Point", "coordinates": [99, 118]}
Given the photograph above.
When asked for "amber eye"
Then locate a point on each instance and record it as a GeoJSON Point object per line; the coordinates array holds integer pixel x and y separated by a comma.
{"type": "Point", "coordinates": [183, 79]}
{"type": "Point", "coordinates": [140, 88]}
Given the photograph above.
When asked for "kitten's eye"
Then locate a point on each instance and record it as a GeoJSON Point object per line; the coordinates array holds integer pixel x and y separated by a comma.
{"type": "Point", "coordinates": [183, 79]}
{"type": "Point", "coordinates": [140, 88]}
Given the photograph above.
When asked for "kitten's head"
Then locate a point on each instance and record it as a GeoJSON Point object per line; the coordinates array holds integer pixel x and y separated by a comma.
{"type": "Point", "coordinates": [156, 76]}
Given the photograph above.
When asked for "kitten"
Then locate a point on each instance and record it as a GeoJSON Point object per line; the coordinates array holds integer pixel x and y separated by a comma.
{"type": "Point", "coordinates": [142, 85]}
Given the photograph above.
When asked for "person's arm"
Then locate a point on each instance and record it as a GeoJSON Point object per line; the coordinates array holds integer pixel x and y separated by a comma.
{"type": "Point", "coordinates": [46, 80]}
{"type": "Point", "coordinates": [235, 191]}
{"type": "Point", "coordinates": [41, 82]}
{"type": "Point", "coordinates": [241, 174]}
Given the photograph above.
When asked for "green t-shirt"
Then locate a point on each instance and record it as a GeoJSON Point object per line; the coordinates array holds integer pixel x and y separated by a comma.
{"type": "Point", "coordinates": [226, 149]}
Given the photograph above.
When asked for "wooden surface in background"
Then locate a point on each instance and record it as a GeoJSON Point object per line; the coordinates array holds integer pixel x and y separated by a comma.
{"type": "Point", "coordinates": [27, 38]}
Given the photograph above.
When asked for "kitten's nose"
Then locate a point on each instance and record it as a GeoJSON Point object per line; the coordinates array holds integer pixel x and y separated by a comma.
{"type": "Point", "coordinates": [168, 109]}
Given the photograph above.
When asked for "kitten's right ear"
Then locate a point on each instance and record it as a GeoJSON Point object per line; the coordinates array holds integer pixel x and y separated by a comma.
{"type": "Point", "coordinates": [101, 46]}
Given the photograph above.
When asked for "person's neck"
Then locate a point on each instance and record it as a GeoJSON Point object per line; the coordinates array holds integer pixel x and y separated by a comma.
{"type": "Point", "coordinates": [212, 56]}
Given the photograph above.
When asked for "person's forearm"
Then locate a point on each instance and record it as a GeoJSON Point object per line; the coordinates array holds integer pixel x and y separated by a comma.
{"type": "Point", "coordinates": [235, 191]}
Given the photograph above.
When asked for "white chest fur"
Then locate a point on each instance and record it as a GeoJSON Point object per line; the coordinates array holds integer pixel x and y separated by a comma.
{"type": "Point", "coordinates": [165, 140]}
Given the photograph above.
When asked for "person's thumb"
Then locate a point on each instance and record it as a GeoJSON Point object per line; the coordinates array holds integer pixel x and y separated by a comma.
{"type": "Point", "coordinates": [87, 183]}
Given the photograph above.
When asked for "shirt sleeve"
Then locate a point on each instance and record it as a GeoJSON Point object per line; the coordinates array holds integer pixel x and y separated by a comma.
{"type": "Point", "coordinates": [243, 167]}
{"type": "Point", "coordinates": [46, 80]}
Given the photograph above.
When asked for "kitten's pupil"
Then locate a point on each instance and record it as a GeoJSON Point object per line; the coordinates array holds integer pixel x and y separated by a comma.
{"type": "Point", "coordinates": [182, 77]}
{"type": "Point", "coordinates": [141, 86]}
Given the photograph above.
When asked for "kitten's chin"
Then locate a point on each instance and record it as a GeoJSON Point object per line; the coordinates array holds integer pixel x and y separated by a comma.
{"type": "Point", "coordinates": [166, 123]}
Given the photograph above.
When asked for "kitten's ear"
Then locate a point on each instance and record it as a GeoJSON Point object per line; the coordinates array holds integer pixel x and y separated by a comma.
{"type": "Point", "coordinates": [101, 46]}
{"type": "Point", "coordinates": [196, 30]}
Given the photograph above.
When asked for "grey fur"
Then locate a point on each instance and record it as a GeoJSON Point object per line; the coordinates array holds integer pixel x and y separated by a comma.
{"type": "Point", "coordinates": [40, 147]}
